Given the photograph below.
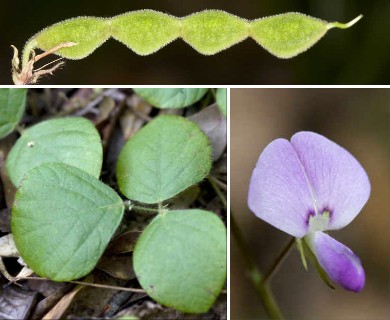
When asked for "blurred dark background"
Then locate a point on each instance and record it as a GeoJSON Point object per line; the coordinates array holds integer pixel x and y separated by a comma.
{"type": "Point", "coordinates": [360, 55]}
{"type": "Point", "coordinates": [357, 119]}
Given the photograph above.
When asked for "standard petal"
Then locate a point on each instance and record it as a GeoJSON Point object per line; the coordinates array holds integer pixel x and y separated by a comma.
{"type": "Point", "coordinates": [338, 181]}
{"type": "Point", "coordinates": [338, 261]}
{"type": "Point", "coordinates": [278, 190]}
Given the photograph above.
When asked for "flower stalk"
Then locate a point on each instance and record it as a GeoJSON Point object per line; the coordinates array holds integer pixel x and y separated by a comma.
{"type": "Point", "coordinates": [254, 274]}
{"type": "Point", "coordinates": [279, 260]}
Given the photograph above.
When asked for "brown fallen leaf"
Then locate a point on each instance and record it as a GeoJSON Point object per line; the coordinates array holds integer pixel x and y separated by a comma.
{"type": "Point", "coordinates": [59, 309]}
{"type": "Point", "coordinates": [123, 243]}
{"type": "Point", "coordinates": [185, 199]}
{"type": "Point", "coordinates": [53, 291]}
{"type": "Point", "coordinates": [120, 267]}
{"type": "Point", "coordinates": [8, 250]}
{"type": "Point", "coordinates": [78, 100]}
{"type": "Point", "coordinates": [8, 247]}
{"type": "Point", "coordinates": [135, 116]}
{"type": "Point", "coordinates": [120, 300]}
{"type": "Point", "coordinates": [214, 125]}
{"type": "Point", "coordinates": [5, 220]}
{"type": "Point", "coordinates": [16, 303]}
{"type": "Point", "coordinates": [106, 106]}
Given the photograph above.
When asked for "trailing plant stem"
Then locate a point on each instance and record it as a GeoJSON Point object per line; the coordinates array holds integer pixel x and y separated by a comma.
{"type": "Point", "coordinates": [130, 206]}
{"type": "Point", "coordinates": [145, 209]}
{"type": "Point", "coordinates": [254, 274]}
{"type": "Point", "coordinates": [152, 210]}
{"type": "Point", "coordinates": [96, 285]}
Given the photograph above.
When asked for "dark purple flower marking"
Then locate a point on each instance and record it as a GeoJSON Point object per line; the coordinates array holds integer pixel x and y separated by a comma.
{"type": "Point", "coordinates": [309, 185]}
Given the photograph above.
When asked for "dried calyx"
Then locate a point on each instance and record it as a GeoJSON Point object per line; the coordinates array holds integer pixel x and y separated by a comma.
{"type": "Point", "coordinates": [23, 74]}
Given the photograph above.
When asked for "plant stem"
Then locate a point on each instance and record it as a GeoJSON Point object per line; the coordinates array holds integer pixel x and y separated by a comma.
{"type": "Point", "coordinates": [254, 274]}
{"type": "Point", "coordinates": [153, 210]}
{"type": "Point", "coordinates": [29, 47]}
{"type": "Point", "coordinates": [278, 261]}
{"type": "Point", "coordinates": [129, 206]}
{"type": "Point", "coordinates": [220, 184]}
{"type": "Point", "coordinates": [218, 191]}
{"type": "Point", "coordinates": [96, 285]}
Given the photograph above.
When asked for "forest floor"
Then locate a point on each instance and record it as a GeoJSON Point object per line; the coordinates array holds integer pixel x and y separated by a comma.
{"type": "Point", "coordinates": [117, 114]}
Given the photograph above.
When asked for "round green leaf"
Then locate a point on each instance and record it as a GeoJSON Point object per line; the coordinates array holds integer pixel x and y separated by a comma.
{"type": "Point", "coordinates": [12, 105]}
{"type": "Point", "coordinates": [166, 98]}
{"type": "Point", "coordinates": [180, 259]}
{"type": "Point", "coordinates": [164, 158]}
{"type": "Point", "coordinates": [73, 141]}
{"type": "Point", "coordinates": [63, 219]}
{"type": "Point", "coordinates": [221, 97]}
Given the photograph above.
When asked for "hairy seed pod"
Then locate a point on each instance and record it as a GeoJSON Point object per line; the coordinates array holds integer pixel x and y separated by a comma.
{"type": "Point", "coordinates": [211, 31]}
{"type": "Point", "coordinates": [88, 32]}
{"type": "Point", "coordinates": [145, 31]}
{"type": "Point", "coordinates": [208, 32]}
{"type": "Point", "coordinates": [287, 35]}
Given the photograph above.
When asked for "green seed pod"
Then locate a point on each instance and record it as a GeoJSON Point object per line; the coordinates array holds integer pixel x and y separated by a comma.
{"type": "Point", "coordinates": [287, 35]}
{"type": "Point", "coordinates": [88, 33]}
{"type": "Point", "coordinates": [145, 31]}
{"type": "Point", "coordinates": [211, 31]}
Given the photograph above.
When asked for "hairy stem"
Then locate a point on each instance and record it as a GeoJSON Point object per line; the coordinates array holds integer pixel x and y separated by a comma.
{"type": "Point", "coordinates": [29, 47]}
{"type": "Point", "coordinates": [153, 210]}
{"type": "Point", "coordinates": [254, 274]}
{"type": "Point", "coordinates": [130, 206]}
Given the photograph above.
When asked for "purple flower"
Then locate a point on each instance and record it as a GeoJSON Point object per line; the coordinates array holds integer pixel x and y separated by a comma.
{"type": "Point", "coordinates": [309, 185]}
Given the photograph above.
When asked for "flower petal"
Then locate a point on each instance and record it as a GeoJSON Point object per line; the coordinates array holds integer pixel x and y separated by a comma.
{"type": "Point", "coordinates": [278, 190]}
{"type": "Point", "coordinates": [338, 181]}
{"type": "Point", "coordinates": [338, 261]}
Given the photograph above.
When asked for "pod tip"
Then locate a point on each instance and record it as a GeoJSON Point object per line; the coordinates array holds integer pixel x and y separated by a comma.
{"type": "Point", "coordinates": [339, 25]}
